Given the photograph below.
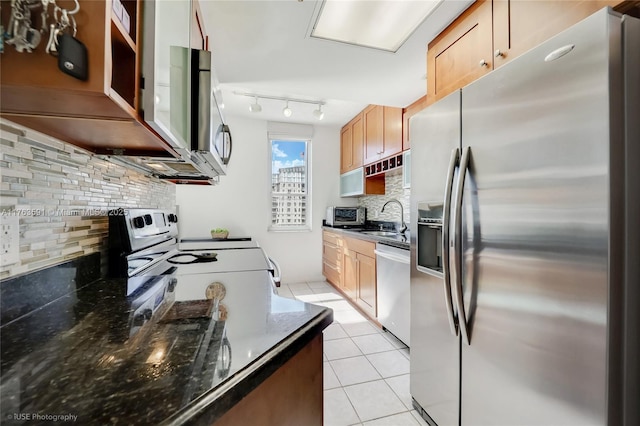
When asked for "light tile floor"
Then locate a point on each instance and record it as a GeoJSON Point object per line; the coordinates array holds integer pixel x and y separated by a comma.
{"type": "Point", "coordinates": [366, 369]}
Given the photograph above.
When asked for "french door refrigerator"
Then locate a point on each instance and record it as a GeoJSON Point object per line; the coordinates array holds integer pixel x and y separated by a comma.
{"type": "Point", "coordinates": [524, 246]}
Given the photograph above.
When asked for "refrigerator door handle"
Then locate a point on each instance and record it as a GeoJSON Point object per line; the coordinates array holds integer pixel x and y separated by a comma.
{"type": "Point", "coordinates": [457, 244]}
{"type": "Point", "coordinates": [446, 217]}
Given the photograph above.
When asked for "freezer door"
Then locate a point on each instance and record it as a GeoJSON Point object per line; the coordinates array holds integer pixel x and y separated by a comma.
{"type": "Point", "coordinates": [434, 382]}
{"type": "Point", "coordinates": [535, 233]}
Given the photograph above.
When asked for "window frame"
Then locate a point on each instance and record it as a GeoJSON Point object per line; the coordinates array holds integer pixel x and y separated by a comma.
{"type": "Point", "coordinates": [307, 227]}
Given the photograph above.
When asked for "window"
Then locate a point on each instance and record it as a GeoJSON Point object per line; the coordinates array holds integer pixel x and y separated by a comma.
{"type": "Point", "coordinates": [289, 177]}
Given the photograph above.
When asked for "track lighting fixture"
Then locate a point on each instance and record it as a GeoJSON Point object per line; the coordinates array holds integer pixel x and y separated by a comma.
{"type": "Point", "coordinates": [255, 107]}
{"type": "Point", "coordinates": [286, 111]}
{"type": "Point", "coordinates": [317, 113]}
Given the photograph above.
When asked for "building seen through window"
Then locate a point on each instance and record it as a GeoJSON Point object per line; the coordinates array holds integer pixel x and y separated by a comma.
{"type": "Point", "coordinates": [289, 174]}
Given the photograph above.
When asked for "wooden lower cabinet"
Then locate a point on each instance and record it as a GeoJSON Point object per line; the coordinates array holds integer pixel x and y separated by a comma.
{"type": "Point", "coordinates": [366, 283]}
{"type": "Point", "coordinates": [350, 274]}
{"type": "Point", "coordinates": [332, 258]}
{"type": "Point", "coordinates": [290, 396]}
{"type": "Point", "coordinates": [354, 274]}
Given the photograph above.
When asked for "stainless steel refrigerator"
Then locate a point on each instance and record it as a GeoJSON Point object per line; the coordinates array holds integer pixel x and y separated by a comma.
{"type": "Point", "coordinates": [525, 238]}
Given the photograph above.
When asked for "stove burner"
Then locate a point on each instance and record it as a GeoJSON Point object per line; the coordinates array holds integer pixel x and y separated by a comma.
{"type": "Point", "coordinates": [193, 258]}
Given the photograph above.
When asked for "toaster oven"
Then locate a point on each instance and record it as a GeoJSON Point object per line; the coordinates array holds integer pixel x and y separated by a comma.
{"type": "Point", "coordinates": [340, 217]}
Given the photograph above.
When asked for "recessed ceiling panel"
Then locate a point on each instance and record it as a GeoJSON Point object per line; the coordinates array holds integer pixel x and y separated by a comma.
{"type": "Point", "coordinates": [383, 25]}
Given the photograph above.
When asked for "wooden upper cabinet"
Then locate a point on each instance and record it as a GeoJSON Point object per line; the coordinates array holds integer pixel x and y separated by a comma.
{"type": "Point", "coordinates": [346, 154]}
{"type": "Point", "coordinates": [461, 53]}
{"type": "Point", "coordinates": [100, 114]}
{"type": "Point", "coordinates": [382, 132]}
{"type": "Point", "coordinates": [373, 133]}
{"type": "Point", "coordinates": [351, 144]}
{"type": "Point", "coordinates": [521, 25]}
{"type": "Point", "coordinates": [407, 113]}
{"type": "Point", "coordinates": [392, 140]}
{"type": "Point", "coordinates": [492, 32]}
{"type": "Point", "coordinates": [357, 141]}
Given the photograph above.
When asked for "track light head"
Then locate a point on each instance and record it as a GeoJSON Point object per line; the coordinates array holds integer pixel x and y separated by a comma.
{"type": "Point", "coordinates": [318, 114]}
{"type": "Point", "coordinates": [287, 111]}
{"type": "Point", "coordinates": [256, 107]}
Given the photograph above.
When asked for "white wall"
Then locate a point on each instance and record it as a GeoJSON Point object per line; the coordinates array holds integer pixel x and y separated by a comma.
{"type": "Point", "coordinates": [241, 201]}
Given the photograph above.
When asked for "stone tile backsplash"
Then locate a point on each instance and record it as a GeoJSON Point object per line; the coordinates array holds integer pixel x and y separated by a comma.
{"type": "Point", "coordinates": [61, 194]}
{"type": "Point", "coordinates": [393, 189]}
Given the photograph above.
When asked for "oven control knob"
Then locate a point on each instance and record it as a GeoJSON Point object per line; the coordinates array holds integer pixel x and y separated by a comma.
{"type": "Point", "coordinates": [140, 319]}
{"type": "Point", "coordinates": [138, 222]}
{"type": "Point", "coordinates": [173, 218]}
{"type": "Point", "coordinates": [148, 219]}
{"type": "Point", "coordinates": [172, 285]}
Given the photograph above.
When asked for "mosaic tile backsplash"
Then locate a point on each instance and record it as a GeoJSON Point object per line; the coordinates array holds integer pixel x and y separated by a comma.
{"type": "Point", "coordinates": [61, 195]}
{"type": "Point", "coordinates": [393, 189]}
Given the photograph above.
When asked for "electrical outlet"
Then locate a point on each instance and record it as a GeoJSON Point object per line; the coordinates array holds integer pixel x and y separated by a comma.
{"type": "Point", "coordinates": [9, 240]}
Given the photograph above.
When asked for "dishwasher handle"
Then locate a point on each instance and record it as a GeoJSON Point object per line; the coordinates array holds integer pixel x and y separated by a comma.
{"type": "Point", "coordinates": [393, 256]}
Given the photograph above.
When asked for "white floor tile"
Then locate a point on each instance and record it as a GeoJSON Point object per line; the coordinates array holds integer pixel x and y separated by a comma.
{"type": "Point", "coordinates": [349, 317]}
{"type": "Point", "coordinates": [334, 331]}
{"type": "Point", "coordinates": [390, 364]}
{"type": "Point", "coordinates": [298, 286]}
{"type": "Point", "coordinates": [311, 298]}
{"type": "Point", "coordinates": [326, 296]}
{"type": "Point", "coordinates": [338, 305]}
{"type": "Point", "coordinates": [330, 380]}
{"type": "Point", "coordinates": [327, 290]}
{"type": "Point", "coordinates": [354, 370]}
{"type": "Point", "coordinates": [285, 293]}
{"type": "Point", "coordinates": [359, 328]}
{"type": "Point", "coordinates": [400, 385]}
{"type": "Point", "coordinates": [340, 348]}
{"type": "Point", "coordinates": [338, 410]}
{"type": "Point", "coordinates": [402, 419]}
{"type": "Point", "coordinates": [372, 343]}
{"type": "Point", "coordinates": [301, 291]}
{"type": "Point", "coordinates": [318, 284]}
{"type": "Point", "coordinates": [373, 400]}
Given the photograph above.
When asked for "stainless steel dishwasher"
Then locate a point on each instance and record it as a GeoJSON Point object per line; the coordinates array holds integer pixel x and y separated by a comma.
{"type": "Point", "coordinates": [392, 264]}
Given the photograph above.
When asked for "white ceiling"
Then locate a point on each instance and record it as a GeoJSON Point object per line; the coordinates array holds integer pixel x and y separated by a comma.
{"type": "Point", "coordinates": [263, 47]}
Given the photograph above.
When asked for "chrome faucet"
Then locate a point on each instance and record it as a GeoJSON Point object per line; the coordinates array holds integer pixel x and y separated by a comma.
{"type": "Point", "coordinates": [403, 227]}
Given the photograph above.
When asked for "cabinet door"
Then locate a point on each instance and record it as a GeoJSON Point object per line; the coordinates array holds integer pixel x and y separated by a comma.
{"type": "Point", "coordinates": [167, 70]}
{"type": "Point", "coordinates": [521, 25]}
{"type": "Point", "coordinates": [349, 273]}
{"type": "Point", "coordinates": [392, 138]}
{"type": "Point", "coordinates": [407, 113]}
{"type": "Point", "coordinates": [346, 149]}
{"type": "Point", "coordinates": [357, 141]}
{"type": "Point", "coordinates": [461, 53]}
{"type": "Point", "coordinates": [366, 290]}
{"type": "Point", "coordinates": [373, 117]}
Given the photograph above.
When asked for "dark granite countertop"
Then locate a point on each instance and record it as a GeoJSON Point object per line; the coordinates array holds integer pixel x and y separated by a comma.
{"type": "Point", "coordinates": [193, 359]}
{"type": "Point", "coordinates": [400, 241]}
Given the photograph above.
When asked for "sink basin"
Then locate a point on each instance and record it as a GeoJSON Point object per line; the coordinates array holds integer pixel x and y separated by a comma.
{"type": "Point", "coordinates": [381, 233]}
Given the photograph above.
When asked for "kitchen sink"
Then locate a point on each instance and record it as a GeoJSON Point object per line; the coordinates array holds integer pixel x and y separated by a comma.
{"type": "Point", "coordinates": [381, 233]}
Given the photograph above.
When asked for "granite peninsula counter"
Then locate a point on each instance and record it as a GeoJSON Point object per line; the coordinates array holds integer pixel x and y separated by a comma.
{"type": "Point", "coordinates": [214, 349]}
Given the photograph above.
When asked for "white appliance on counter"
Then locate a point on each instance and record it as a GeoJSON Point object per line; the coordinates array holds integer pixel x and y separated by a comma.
{"type": "Point", "coordinates": [393, 295]}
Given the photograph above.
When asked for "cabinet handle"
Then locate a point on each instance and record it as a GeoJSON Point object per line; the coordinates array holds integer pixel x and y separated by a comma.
{"type": "Point", "coordinates": [484, 63]}
{"type": "Point", "coordinates": [499, 54]}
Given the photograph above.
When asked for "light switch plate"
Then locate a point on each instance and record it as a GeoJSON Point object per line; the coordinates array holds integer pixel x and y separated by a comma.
{"type": "Point", "coordinates": [9, 239]}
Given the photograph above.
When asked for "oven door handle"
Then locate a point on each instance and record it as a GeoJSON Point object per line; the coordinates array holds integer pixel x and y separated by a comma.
{"type": "Point", "coordinates": [275, 271]}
